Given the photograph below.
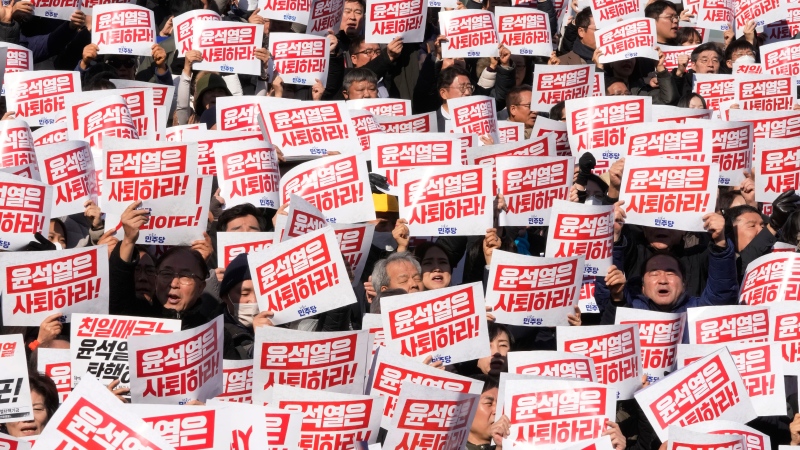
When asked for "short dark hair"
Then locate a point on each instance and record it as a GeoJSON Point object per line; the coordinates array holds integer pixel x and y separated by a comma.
{"type": "Point", "coordinates": [584, 18]}
{"type": "Point", "coordinates": [495, 329]}
{"type": "Point", "coordinates": [198, 258]}
{"type": "Point", "coordinates": [733, 213]}
{"type": "Point", "coordinates": [235, 212]}
{"type": "Point", "coordinates": [447, 76]}
{"type": "Point", "coordinates": [375, 306]}
{"type": "Point", "coordinates": [45, 387]}
{"type": "Point", "coordinates": [611, 80]}
{"type": "Point", "coordinates": [736, 45]}
{"type": "Point", "coordinates": [355, 43]}
{"type": "Point", "coordinates": [684, 33]}
{"type": "Point", "coordinates": [725, 199]}
{"type": "Point", "coordinates": [706, 47]}
{"type": "Point", "coordinates": [684, 101]}
{"type": "Point", "coordinates": [358, 75]}
{"type": "Point", "coordinates": [681, 266]}
{"type": "Point", "coordinates": [558, 110]}
{"type": "Point", "coordinates": [423, 247]}
{"type": "Point", "coordinates": [791, 228]}
{"type": "Point", "coordinates": [514, 95]}
{"type": "Point", "coordinates": [655, 9]}
{"type": "Point", "coordinates": [99, 84]}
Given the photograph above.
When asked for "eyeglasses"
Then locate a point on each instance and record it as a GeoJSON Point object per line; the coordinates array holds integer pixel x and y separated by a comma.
{"type": "Point", "coordinates": [358, 12]}
{"type": "Point", "coordinates": [116, 63]}
{"type": "Point", "coordinates": [464, 88]}
{"type": "Point", "coordinates": [671, 17]}
{"type": "Point", "coordinates": [369, 52]}
{"type": "Point", "coordinates": [708, 61]}
{"type": "Point", "coordinates": [185, 278]}
{"type": "Point", "coordinates": [148, 270]}
{"type": "Point", "coordinates": [526, 105]}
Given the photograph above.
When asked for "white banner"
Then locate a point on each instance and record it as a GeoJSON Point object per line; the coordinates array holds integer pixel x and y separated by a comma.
{"type": "Point", "coordinates": [15, 392]}
{"type": "Point", "coordinates": [470, 33]}
{"type": "Point", "coordinates": [578, 229]}
{"type": "Point", "coordinates": [227, 47]}
{"type": "Point", "coordinates": [300, 58]}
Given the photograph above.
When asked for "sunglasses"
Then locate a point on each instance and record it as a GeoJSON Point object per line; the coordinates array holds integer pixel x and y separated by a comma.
{"type": "Point", "coordinates": [117, 63]}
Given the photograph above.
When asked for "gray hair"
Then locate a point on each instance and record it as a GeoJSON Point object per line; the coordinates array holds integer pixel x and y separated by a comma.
{"type": "Point", "coordinates": [358, 75]}
{"type": "Point", "coordinates": [380, 278]}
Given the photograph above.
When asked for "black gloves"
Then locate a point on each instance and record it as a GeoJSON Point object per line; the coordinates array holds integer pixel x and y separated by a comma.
{"type": "Point", "coordinates": [585, 166]}
{"type": "Point", "coordinates": [42, 244]}
{"type": "Point", "coordinates": [782, 207]}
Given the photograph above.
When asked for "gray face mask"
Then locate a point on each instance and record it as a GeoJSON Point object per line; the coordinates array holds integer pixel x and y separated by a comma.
{"type": "Point", "coordinates": [245, 312]}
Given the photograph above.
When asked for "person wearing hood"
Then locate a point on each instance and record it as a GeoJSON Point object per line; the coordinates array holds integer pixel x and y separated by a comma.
{"type": "Point", "coordinates": [239, 297]}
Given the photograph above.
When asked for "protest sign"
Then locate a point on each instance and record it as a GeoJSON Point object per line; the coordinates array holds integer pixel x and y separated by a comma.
{"type": "Point", "coordinates": [177, 367]}
{"type": "Point", "coordinates": [440, 201]}
{"type": "Point", "coordinates": [25, 206]}
{"type": "Point", "coordinates": [544, 125]}
{"type": "Point", "coordinates": [93, 418]}
{"type": "Point", "coordinates": [552, 364]}
{"type": "Point", "coordinates": [332, 420]}
{"type": "Point", "coordinates": [578, 229]}
{"type": "Point", "coordinates": [232, 244]}
{"type": "Point", "coordinates": [54, 363]}
{"type": "Point", "coordinates": [607, 13]}
{"type": "Point", "coordinates": [470, 33]}
{"type": "Point", "coordinates": [456, 332]}
{"type": "Point", "coordinates": [17, 144]}
{"type": "Point", "coordinates": [710, 388]}
{"type": "Point", "coordinates": [762, 92]}
{"type": "Point", "coordinates": [785, 326]}
{"type": "Point", "coordinates": [39, 284]}
{"type": "Point", "coordinates": [782, 58]}
{"type": "Point", "coordinates": [241, 113]}
{"type": "Point", "coordinates": [488, 155]}
{"type": "Point", "coordinates": [601, 123]}
{"type": "Point", "coordinates": [381, 106]}
{"type": "Point", "coordinates": [603, 443]}
{"type": "Point", "coordinates": [209, 141]}
{"type": "Point", "coordinates": [754, 439]}
{"type": "Point", "coordinates": [91, 115]}
{"type": "Point", "coordinates": [673, 52]}
{"type": "Point", "coordinates": [760, 11]}
{"type": "Point", "coordinates": [123, 29]}
{"type": "Point", "coordinates": [15, 392]}
{"type": "Point", "coordinates": [774, 124]}
{"type": "Point", "coordinates": [431, 416]}
{"type": "Point", "coordinates": [670, 140]}
{"type": "Point", "coordinates": [338, 186]}
{"type": "Point", "coordinates": [680, 438]}
{"type": "Point", "coordinates": [760, 365]}
{"type": "Point", "coordinates": [550, 414]}
{"type": "Point", "coordinates": [68, 167]}
{"type": "Point", "coordinates": [388, 19]}
{"type": "Point", "coordinates": [364, 124]}
{"type": "Point", "coordinates": [392, 154]}
{"type": "Point", "coordinates": [302, 130]}
{"type": "Point", "coordinates": [630, 38]}
{"type": "Point", "coordinates": [18, 59]}
{"type": "Point", "coordinates": [296, 11]}
{"type": "Point", "coordinates": [714, 14]}
{"type": "Point", "coordinates": [533, 291]}
{"type": "Point", "coordinates": [247, 172]}
{"type": "Point", "coordinates": [615, 351]}
{"type": "Point", "coordinates": [87, 6]}
{"type": "Point", "coordinates": [51, 134]}
{"type": "Point", "coordinates": [162, 98]}
{"type": "Point", "coordinates": [553, 84]}
{"type": "Point", "coordinates": [175, 133]}
{"type": "Point", "coordinates": [745, 68]}
{"type": "Point", "coordinates": [301, 277]}
{"type": "Point", "coordinates": [183, 26]}
{"type": "Point", "coordinates": [530, 185]}
{"type": "Point", "coordinates": [524, 31]}
{"type": "Point", "coordinates": [55, 9]}
{"type": "Point", "coordinates": [355, 241]}
{"type": "Point", "coordinates": [778, 166]}
{"type": "Point", "coordinates": [11, 443]}
{"type": "Point", "coordinates": [109, 116]}
{"type": "Point", "coordinates": [715, 89]}
{"type": "Point", "coordinates": [374, 324]}
{"type": "Point", "coordinates": [417, 123]}
{"type": "Point", "coordinates": [325, 15]}
{"type": "Point", "coordinates": [237, 380]}
{"type": "Point", "coordinates": [774, 277]}
{"type": "Point", "coordinates": [731, 323]}
{"type": "Point", "coordinates": [391, 370]}
{"type": "Point", "coordinates": [227, 47]}
{"type": "Point", "coordinates": [669, 113]}
{"type": "Point", "coordinates": [301, 217]}
{"type": "Point", "coordinates": [473, 114]}
{"type": "Point", "coordinates": [300, 58]}
{"type": "Point", "coordinates": [660, 334]}
{"type": "Point", "coordinates": [100, 344]}
{"type": "Point", "coordinates": [731, 148]}
{"type": "Point", "coordinates": [324, 361]}
{"type": "Point", "coordinates": [27, 171]}
{"type": "Point", "coordinates": [509, 131]}
{"type": "Point", "coordinates": [668, 193]}
{"type": "Point", "coordinates": [37, 96]}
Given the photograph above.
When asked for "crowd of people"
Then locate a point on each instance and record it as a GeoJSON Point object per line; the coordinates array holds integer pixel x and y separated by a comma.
{"type": "Point", "coordinates": [654, 269]}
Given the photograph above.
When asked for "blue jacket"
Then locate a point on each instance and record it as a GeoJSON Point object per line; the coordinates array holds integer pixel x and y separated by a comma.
{"type": "Point", "coordinates": [722, 287]}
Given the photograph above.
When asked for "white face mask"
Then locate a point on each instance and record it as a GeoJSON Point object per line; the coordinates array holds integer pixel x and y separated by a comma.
{"type": "Point", "coordinates": [245, 312]}
{"type": "Point", "coordinates": [58, 245]}
{"type": "Point", "coordinates": [746, 59]}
